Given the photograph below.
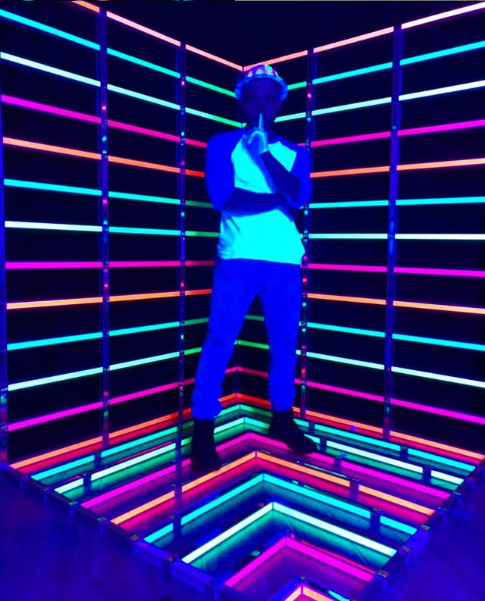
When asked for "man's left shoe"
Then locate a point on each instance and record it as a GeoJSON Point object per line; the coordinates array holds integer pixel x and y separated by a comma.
{"type": "Point", "coordinates": [284, 428]}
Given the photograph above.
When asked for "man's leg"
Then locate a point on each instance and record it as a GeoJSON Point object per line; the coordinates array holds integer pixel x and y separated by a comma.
{"type": "Point", "coordinates": [281, 302]}
{"type": "Point", "coordinates": [234, 288]}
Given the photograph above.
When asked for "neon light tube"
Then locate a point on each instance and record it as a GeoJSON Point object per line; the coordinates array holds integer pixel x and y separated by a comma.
{"type": "Point", "coordinates": [290, 117]}
{"type": "Point", "coordinates": [466, 467]}
{"type": "Point", "coordinates": [43, 419]}
{"type": "Point", "coordinates": [144, 164]}
{"type": "Point", "coordinates": [440, 237]}
{"type": "Point", "coordinates": [364, 268]}
{"type": "Point", "coordinates": [397, 500]}
{"type": "Point", "coordinates": [15, 183]}
{"type": "Point", "coordinates": [121, 490]}
{"type": "Point", "coordinates": [349, 139]}
{"type": "Point", "coordinates": [142, 28]}
{"type": "Point", "coordinates": [469, 273]}
{"type": "Point", "coordinates": [403, 132]}
{"type": "Point", "coordinates": [350, 204]}
{"type": "Point", "coordinates": [348, 236]}
{"type": "Point", "coordinates": [405, 270]}
{"type": "Point", "coordinates": [470, 455]}
{"type": "Point", "coordinates": [191, 111]}
{"type": "Point", "coordinates": [332, 559]}
{"type": "Point", "coordinates": [213, 57]}
{"type": "Point", "coordinates": [118, 467]}
{"type": "Point", "coordinates": [191, 557]}
{"type": "Point", "coordinates": [442, 164]}
{"type": "Point", "coordinates": [315, 596]}
{"type": "Point", "coordinates": [166, 497]}
{"type": "Point", "coordinates": [356, 538]}
{"type": "Point", "coordinates": [348, 299]}
{"type": "Point", "coordinates": [47, 69]}
{"type": "Point", "coordinates": [359, 171]}
{"type": "Point", "coordinates": [51, 379]}
{"type": "Point", "coordinates": [394, 462]}
{"type": "Point", "coordinates": [47, 29]}
{"type": "Point", "coordinates": [65, 467]}
{"type": "Point", "coordinates": [404, 337]}
{"type": "Point", "coordinates": [143, 197]}
{"type": "Point", "coordinates": [351, 106]}
{"type": "Point", "coordinates": [256, 563]}
{"type": "Point", "coordinates": [61, 227]}
{"type": "Point", "coordinates": [441, 53]}
{"type": "Point", "coordinates": [145, 97]}
{"type": "Point", "coordinates": [93, 119]}
{"type": "Point", "coordinates": [323, 498]}
{"type": "Point", "coordinates": [153, 133]}
{"type": "Point", "coordinates": [403, 202]}
{"type": "Point", "coordinates": [221, 500]}
{"type": "Point", "coordinates": [353, 73]}
{"type": "Point", "coordinates": [443, 127]}
{"type": "Point", "coordinates": [159, 501]}
{"type": "Point", "coordinates": [19, 265]}
{"type": "Point", "coordinates": [461, 237]}
{"type": "Point", "coordinates": [445, 15]}
{"type": "Point", "coordinates": [435, 307]}
{"type": "Point", "coordinates": [96, 156]}
{"type": "Point", "coordinates": [473, 85]}
{"type": "Point", "coordinates": [159, 533]}
{"type": "Point", "coordinates": [344, 330]}
{"type": "Point", "coordinates": [359, 38]}
{"type": "Point", "coordinates": [474, 419]}
{"type": "Point", "coordinates": [144, 361]}
{"type": "Point", "coordinates": [281, 59]}
{"type": "Point", "coordinates": [46, 108]}
{"type": "Point", "coordinates": [399, 481]}
{"type": "Point", "coordinates": [142, 63]}
{"type": "Point", "coordinates": [346, 361]}
{"type": "Point", "coordinates": [16, 346]}
{"type": "Point", "coordinates": [397, 303]}
{"type": "Point", "coordinates": [415, 406]}
{"type": "Point", "coordinates": [87, 5]}
{"type": "Point", "coordinates": [226, 468]}
{"type": "Point", "coordinates": [373, 397]}
{"type": "Point", "coordinates": [369, 440]}
{"type": "Point", "coordinates": [343, 481]}
{"type": "Point", "coordinates": [209, 86]}
{"type": "Point", "coordinates": [439, 377]}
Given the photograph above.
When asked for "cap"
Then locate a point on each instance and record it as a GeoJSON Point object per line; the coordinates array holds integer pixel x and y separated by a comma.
{"type": "Point", "coordinates": [261, 71]}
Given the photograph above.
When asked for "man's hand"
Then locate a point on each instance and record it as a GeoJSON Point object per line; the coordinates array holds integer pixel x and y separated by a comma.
{"type": "Point", "coordinates": [257, 141]}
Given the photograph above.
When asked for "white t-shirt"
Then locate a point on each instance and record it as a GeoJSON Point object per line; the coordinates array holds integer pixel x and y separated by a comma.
{"type": "Point", "coordinates": [267, 236]}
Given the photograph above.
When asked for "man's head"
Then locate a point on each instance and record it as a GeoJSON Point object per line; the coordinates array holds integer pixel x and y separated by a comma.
{"type": "Point", "coordinates": [261, 91]}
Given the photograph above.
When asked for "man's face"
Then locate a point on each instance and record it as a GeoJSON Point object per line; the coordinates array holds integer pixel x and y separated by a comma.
{"type": "Point", "coordinates": [261, 96]}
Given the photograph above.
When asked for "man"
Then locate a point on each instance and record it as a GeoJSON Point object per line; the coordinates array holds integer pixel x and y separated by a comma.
{"type": "Point", "coordinates": [257, 180]}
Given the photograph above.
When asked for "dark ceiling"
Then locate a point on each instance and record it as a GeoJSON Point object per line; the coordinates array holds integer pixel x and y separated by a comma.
{"type": "Point", "coordinates": [245, 32]}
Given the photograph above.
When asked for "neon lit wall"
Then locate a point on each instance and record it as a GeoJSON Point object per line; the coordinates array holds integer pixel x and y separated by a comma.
{"type": "Point", "coordinates": [110, 239]}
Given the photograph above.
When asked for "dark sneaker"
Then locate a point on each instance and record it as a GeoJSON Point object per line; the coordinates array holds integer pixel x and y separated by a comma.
{"type": "Point", "coordinates": [203, 451]}
{"type": "Point", "coordinates": [284, 428]}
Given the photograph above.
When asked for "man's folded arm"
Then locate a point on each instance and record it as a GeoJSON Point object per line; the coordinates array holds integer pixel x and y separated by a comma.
{"type": "Point", "coordinates": [244, 202]}
{"type": "Point", "coordinates": [294, 185]}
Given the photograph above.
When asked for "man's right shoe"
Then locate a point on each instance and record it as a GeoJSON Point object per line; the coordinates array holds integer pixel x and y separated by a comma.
{"type": "Point", "coordinates": [284, 428]}
{"type": "Point", "coordinates": [203, 452]}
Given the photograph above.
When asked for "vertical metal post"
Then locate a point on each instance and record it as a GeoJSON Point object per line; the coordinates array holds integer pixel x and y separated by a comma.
{"type": "Point", "coordinates": [309, 137]}
{"type": "Point", "coordinates": [392, 229]}
{"type": "Point", "coordinates": [3, 310]}
{"type": "Point", "coordinates": [102, 102]}
{"type": "Point", "coordinates": [181, 190]}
